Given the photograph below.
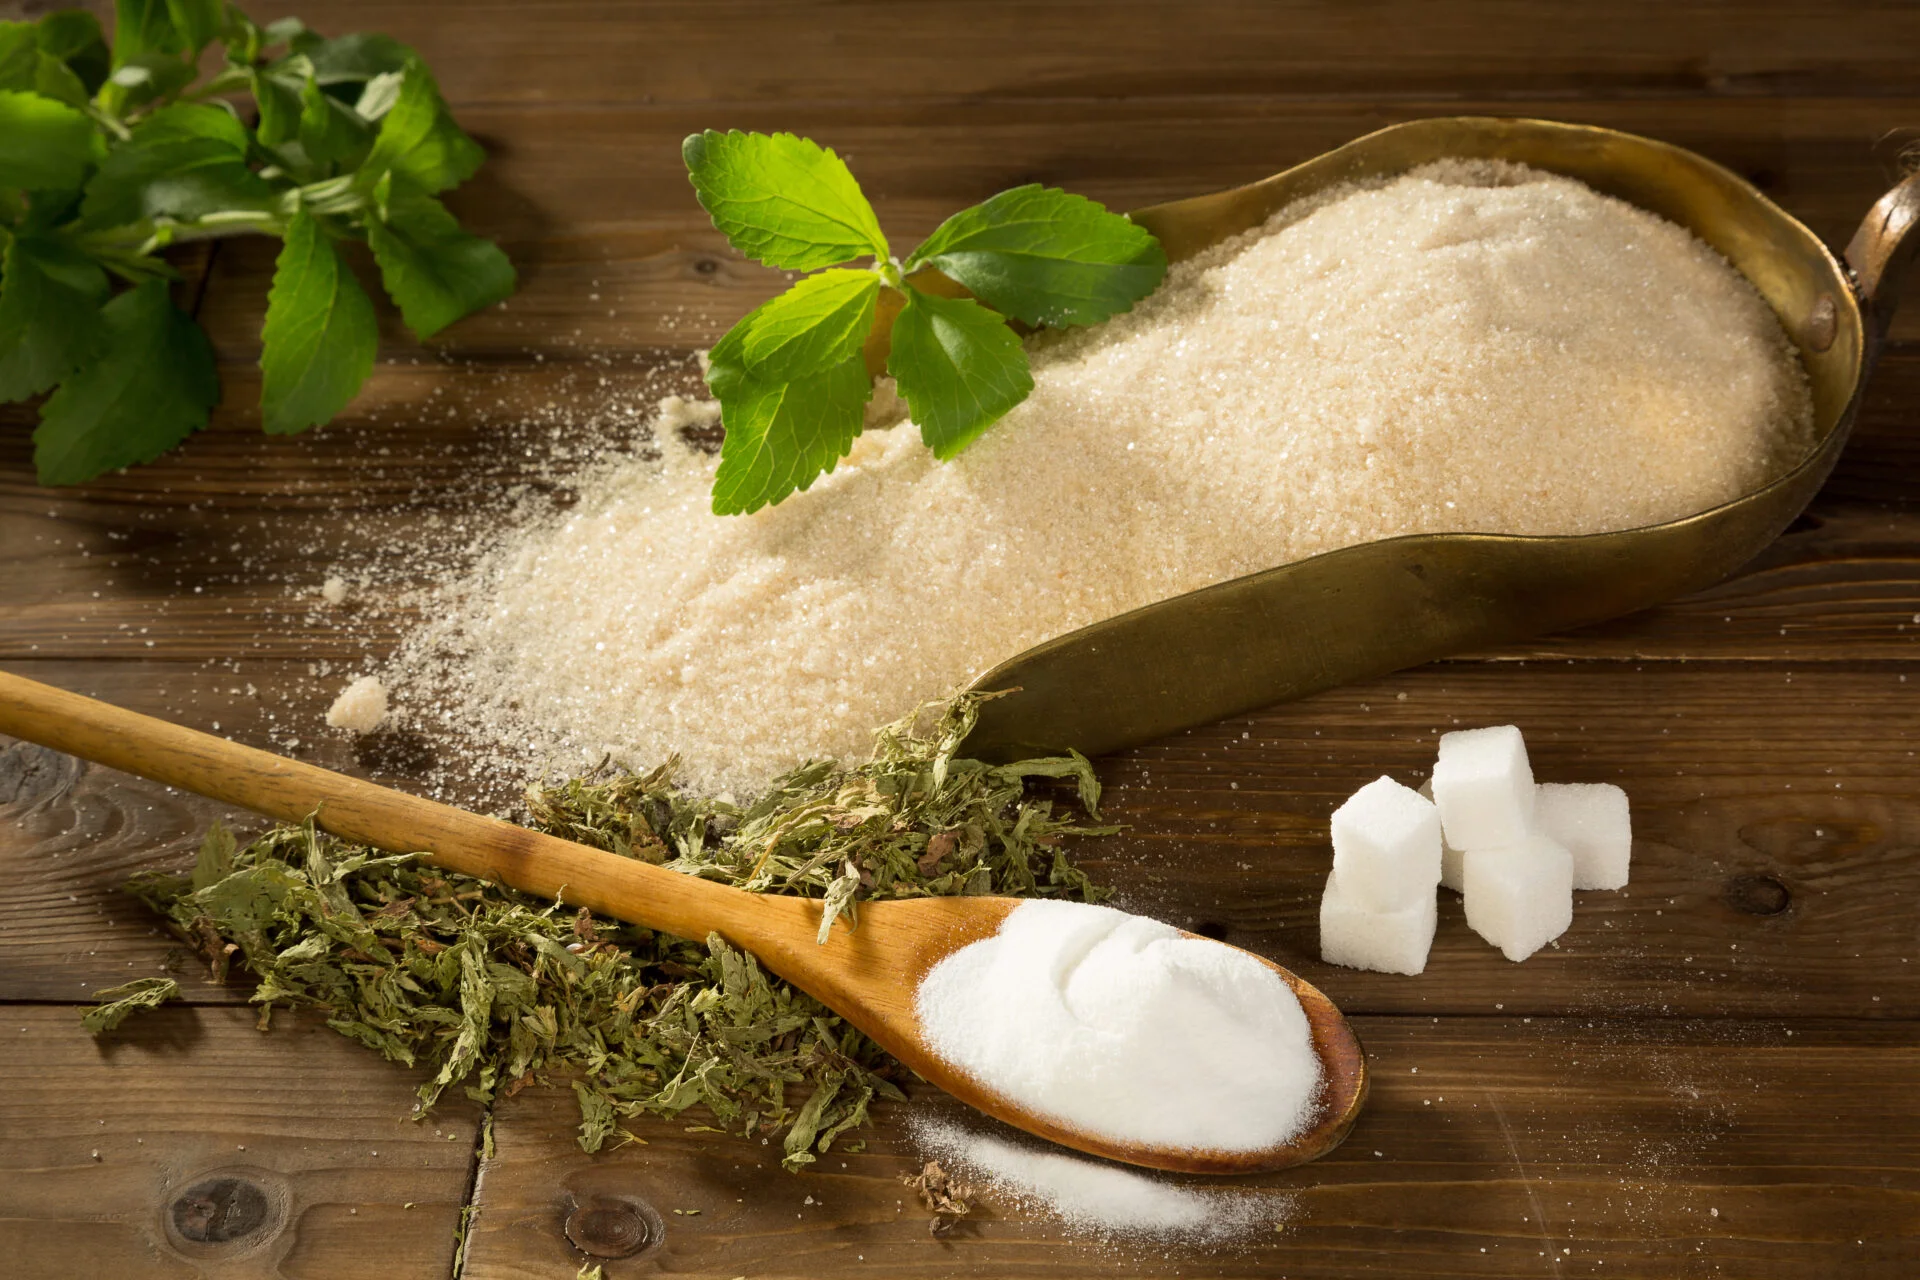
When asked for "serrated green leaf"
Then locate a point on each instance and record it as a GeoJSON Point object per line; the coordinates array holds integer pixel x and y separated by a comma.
{"type": "Point", "coordinates": [785, 201]}
{"type": "Point", "coordinates": [781, 435]}
{"type": "Point", "coordinates": [958, 366]}
{"type": "Point", "coordinates": [818, 323]}
{"type": "Point", "coordinates": [276, 90]}
{"type": "Point", "coordinates": [1046, 257]}
{"type": "Point", "coordinates": [198, 23]}
{"type": "Point", "coordinates": [330, 130]}
{"type": "Point", "coordinates": [142, 27]}
{"type": "Point", "coordinates": [50, 296]}
{"type": "Point", "coordinates": [183, 162]}
{"type": "Point", "coordinates": [44, 144]}
{"type": "Point", "coordinates": [74, 37]}
{"type": "Point", "coordinates": [147, 387]}
{"type": "Point", "coordinates": [433, 269]}
{"type": "Point", "coordinates": [320, 336]}
{"type": "Point", "coordinates": [419, 141]}
{"type": "Point", "coordinates": [144, 78]}
{"type": "Point", "coordinates": [27, 67]}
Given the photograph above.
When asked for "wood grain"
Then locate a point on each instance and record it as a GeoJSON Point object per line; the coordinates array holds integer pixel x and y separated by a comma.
{"type": "Point", "coordinates": [593, 205]}
{"type": "Point", "coordinates": [1656, 1082]}
{"type": "Point", "coordinates": [106, 1146]}
{"type": "Point", "coordinates": [1620, 1149]}
{"type": "Point", "coordinates": [1776, 814]}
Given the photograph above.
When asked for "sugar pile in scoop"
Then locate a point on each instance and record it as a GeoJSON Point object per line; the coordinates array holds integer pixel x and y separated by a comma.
{"type": "Point", "coordinates": [1125, 1028]}
{"type": "Point", "coordinates": [1472, 346]}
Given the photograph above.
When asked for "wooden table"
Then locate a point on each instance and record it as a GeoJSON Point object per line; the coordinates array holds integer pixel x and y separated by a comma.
{"type": "Point", "coordinates": [1712, 1074]}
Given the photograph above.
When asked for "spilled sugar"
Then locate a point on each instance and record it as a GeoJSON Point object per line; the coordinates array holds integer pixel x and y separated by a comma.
{"type": "Point", "coordinates": [1102, 1199]}
{"type": "Point", "coordinates": [1125, 1028]}
{"type": "Point", "coordinates": [1470, 347]}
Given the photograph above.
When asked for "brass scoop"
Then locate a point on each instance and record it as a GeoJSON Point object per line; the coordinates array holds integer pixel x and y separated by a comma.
{"type": "Point", "coordinates": [1366, 610]}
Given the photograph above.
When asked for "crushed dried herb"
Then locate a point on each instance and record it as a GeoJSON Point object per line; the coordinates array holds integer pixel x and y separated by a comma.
{"type": "Point", "coordinates": [946, 1197]}
{"type": "Point", "coordinates": [491, 988]}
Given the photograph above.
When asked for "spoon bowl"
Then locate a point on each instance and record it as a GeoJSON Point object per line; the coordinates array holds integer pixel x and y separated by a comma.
{"type": "Point", "coordinates": [868, 974]}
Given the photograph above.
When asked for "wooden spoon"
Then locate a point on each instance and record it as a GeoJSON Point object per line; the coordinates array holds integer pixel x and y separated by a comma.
{"type": "Point", "coordinates": [868, 975]}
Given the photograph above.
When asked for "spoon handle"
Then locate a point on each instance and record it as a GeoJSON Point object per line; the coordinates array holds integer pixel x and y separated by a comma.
{"type": "Point", "coordinates": [542, 865]}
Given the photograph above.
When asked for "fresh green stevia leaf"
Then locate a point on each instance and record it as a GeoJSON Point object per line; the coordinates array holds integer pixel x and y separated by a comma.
{"type": "Point", "coordinates": [330, 130]}
{"type": "Point", "coordinates": [958, 366]}
{"type": "Point", "coordinates": [117, 1003]}
{"type": "Point", "coordinates": [435, 271]}
{"type": "Point", "coordinates": [378, 96]}
{"type": "Point", "coordinates": [418, 139]}
{"type": "Point", "coordinates": [351, 59]}
{"type": "Point", "coordinates": [148, 385]}
{"type": "Point", "coordinates": [142, 27]}
{"type": "Point", "coordinates": [184, 161]}
{"type": "Point", "coordinates": [785, 201]}
{"type": "Point", "coordinates": [44, 145]}
{"type": "Point", "coordinates": [50, 296]}
{"type": "Point", "coordinates": [817, 323]}
{"type": "Point", "coordinates": [1046, 257]}
{"type": "Point", "coordinates": [320, 336]}
{"type": "Point", "coordinates": [197, 22]}
{"type": "Point", "coordinates": [25, 66]}
{"type": "Point", "coordinates": [781, 435]}
{"type": "Point", "coordinates": [74, 37]}
{"type": "Point", "coordinates": [144, 78]}
{"type": "Point", "coordinates": [277, 90]}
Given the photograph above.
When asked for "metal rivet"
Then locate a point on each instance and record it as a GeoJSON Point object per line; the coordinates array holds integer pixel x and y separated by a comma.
{"type": "Point", "coordinates": [220, 1210]}
{"type": "Point", "coordinates": [614, 1227]}
{"type": "Point", "coordinates": [1823, 323]}
{"type": "Point", "coordinates": [1758, 895]}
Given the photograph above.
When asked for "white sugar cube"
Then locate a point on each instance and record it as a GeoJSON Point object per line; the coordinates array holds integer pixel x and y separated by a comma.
{"type": "Point", "coordinates": [1484, 787]}
{"type": "Point", "coordinates": [1591, 820]}
{"type": "Point", "coordinates": [1386, 846]}
{"type": "Point", "coordinates": [1450, 857]}
{"type": "Point", "coordinates": [1519, 897]}
{"type": "Point", "coordinates": [1359, 937]}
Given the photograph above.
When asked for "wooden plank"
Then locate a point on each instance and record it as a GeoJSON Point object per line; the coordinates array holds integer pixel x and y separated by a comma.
{"type": "Point", "coordinates": [189, 1144]}
{"type": "Point", "coordinates": [1776, 812]}
{"type": "Point", "coordinates": [768, 51]}
{"type": "Point", "coordinates": [1487, 1146]}
{"type": "Point", "coordinates": [593, 205]}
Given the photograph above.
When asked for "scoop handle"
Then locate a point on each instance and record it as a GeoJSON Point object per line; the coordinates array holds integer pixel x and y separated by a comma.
{"type": "Point", "coordinates": [543, 865]}
{"type": "Point", "coordinates": [1883, 249]}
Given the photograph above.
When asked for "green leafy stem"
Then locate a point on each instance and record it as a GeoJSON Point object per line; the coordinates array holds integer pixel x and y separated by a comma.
{"type": "Point", "coordinates": [794, 377]}
{"type": "Point", "coordinates": [110, 154]}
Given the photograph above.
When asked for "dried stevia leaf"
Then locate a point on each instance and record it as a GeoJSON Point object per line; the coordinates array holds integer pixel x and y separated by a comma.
{"type": "Point", "coordinates": [129, 997]}
{"type": "Point", "coordinates": [489, 989]}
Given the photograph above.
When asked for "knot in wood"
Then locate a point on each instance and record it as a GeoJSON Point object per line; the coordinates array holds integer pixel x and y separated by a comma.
{"type": "Point", "coordinates": [614, 1227]}
{"type": "Point", "coordinates": [220, 1211]}
{"type": "Point", "coordinates": [1758, 895]}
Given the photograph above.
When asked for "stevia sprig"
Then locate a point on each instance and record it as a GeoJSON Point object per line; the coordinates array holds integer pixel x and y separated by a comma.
{"type": "Point", "coordinates": [109, 154]}
{"type": "Point", "coordinates": [792, 377]}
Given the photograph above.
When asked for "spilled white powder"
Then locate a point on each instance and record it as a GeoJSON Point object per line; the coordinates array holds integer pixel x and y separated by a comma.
{"type": "Point", "coordinates": [1125, 1028]}
{"type": "Point", "coordinates": [360, 707]}
{"type": "Point", "coordinates": [1102, 1199]}
{"type": "Point", "coordinates": [334, 590]}
{"type": "Point", "coordinates": [1473, 346]}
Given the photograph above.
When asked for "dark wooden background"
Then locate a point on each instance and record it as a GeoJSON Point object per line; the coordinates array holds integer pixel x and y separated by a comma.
{"type": "Point", "coordinates": [1713, 1074]}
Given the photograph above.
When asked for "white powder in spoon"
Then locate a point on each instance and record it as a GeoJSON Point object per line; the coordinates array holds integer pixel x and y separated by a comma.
{"type": "Point", "coordinates": [1472, 346]}
{"type": "Point", "coordinates": [1125, 1028]}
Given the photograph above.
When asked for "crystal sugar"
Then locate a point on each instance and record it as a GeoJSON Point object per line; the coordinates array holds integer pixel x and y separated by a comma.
{"type": "Point", "coordinates": [1386, 846]}
{"type": "Point", "coordinates": [1483, 786]}
{"type": "Point", "coordinates": [1360, 937]}
{"type": "Point", "coordinates": [1591, 820]}
{"type": "Point", "coordinates": [1519, 897]}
